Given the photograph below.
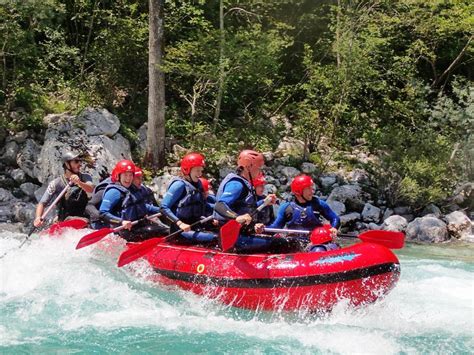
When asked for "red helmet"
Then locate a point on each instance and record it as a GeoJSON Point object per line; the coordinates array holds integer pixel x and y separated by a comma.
{"type": "Point", "coordinates": [138, 171]}
{"type": "Point", "coordinates": [259, 180]}
{"type": "Point", "coordinates": [301, 182]}
{"type": "Point", "coordinates": [205, 184]}
{"type": "Point", "coordinates": [121, 167]}
{"type": "Point", "coordinates": [321, 235]}
{"type": "Point", "coordinates": [250, 158]}
{"type": "Point", "coordinates": [190, 161]}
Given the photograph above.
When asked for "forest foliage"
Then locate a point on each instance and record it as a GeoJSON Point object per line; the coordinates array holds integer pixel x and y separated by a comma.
{"type": "Point", "coordinates": [392, 76]}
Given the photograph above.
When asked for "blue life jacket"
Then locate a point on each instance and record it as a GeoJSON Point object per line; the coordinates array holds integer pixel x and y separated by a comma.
{"type": "Point", "coordinates": [132, 205]}
{"type": "Point", "coordinates": [246, 203]}
{"type": "Point", "coordinates": [192, 206]}
{"type": "Point", "coordinates": [98, 192]}
{"type": "Point", "coordinates": [303, 217]}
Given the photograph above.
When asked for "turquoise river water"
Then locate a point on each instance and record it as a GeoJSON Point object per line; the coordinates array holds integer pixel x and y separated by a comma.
{"type": "Point", "coordinates": [54, 299]}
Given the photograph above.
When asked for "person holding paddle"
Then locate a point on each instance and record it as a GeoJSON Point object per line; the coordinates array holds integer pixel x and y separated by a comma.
{"type": "Point", "coordinates": [123, 203]}
{"type": "Point", "coordinates": [144, 190]}
{"type": "Point", "coordinates": [266, 216]}
{"type": "Point", "coordinates": [74, 201]}
{"type": "Point", "coordinates": [184, 203]}
{"type": "Point", "coordinates": [236, 199]}
{"type": "Point", "coordinates": [304, 214]}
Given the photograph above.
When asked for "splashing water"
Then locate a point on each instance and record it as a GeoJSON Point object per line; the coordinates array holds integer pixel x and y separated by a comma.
{"type": "Point", "coordinates": [54, 298]}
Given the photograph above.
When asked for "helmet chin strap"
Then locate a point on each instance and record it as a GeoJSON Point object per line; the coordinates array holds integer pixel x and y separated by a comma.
{"type": "Point", "coordinates": [67, 167]}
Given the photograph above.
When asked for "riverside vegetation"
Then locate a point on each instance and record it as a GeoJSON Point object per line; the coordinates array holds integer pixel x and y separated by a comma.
{"type": "Point", "coordinates": [391, 78]}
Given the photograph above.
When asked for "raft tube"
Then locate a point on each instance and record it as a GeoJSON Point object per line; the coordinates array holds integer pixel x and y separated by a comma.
{"type": "Point", "coordinates": [361, 274]}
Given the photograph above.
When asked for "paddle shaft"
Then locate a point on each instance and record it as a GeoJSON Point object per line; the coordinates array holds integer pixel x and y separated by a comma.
{"type": "Point", "coordinates": [153, 216]}
{"type": "Point", "coordinates": [145, 247]}
{"type": "Point", "coordinates": [298, 231]}
{"type": "Point", "coordinates": [204, 220]}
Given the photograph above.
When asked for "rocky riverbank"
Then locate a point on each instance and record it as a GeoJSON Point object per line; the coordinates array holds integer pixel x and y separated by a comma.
{"type": "Point", "coordinates": [29, 160]}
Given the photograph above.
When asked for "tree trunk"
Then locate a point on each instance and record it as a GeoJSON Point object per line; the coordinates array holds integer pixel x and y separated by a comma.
{"type": "Point", "coordinates": [155, 148]}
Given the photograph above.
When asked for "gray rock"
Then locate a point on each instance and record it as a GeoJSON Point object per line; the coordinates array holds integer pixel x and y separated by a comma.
{"type": "Point", "coordinates": [6, 213]}
{"type": "Point", "coordinates": [29, 189]}
{"type": "Point", "coordinates": [18, 175]}
{"type": "Point", "coordinates": [459, 225]}
{"type": "Point", "coordinates": [97, 122]}
{"type": "Point", "coordinates": [5, 195]}
{"type": "Point", "coordinates": [20, 137]}
{"type": "Point", "coordinates": [387, 213]}
{"type": "Point", "coordinates": [374, 226]}
{"type": "Point", "coordinates": [223, 172]}
{"type": "Point", "coordinates": [371, 213]}
{"type": "Point", "coordinates": [179, 151]}
{"type": "Point", "coordinates": [27, 158]}
{"type": "Point", "coordinates": [327, 181]}
{"type": "Point", "coordinates": [345, 192]}
{"type": "Point", "coordinates": [308, 168]}
{"type": "Point", "coordinates": [401, 210]}
{"type": "Point", "coordinates": [24, 212]}
{"type": "Point", "coordinates": [289, 172]}
{"type": "Point", "coordinates": [269, 157]}
{"type": "Point", "coordinates": [338, 207]}
{"type": "Point", "coordinates": [159, 184]}
{"type": "Point", "coordinates": [350, 218]}
{"type": "Point", "coordinates": [11, 151]}
{"type": "Point", "coordinates": [431, 209]}
{"type": "Point", "coordinates": [408, 217]}
{"type": "Point", "coordinates": [427, 229]}
{"type": "Point", "coordinates": [395, 223]}
{"type": "Point", "coordinates": [358, 176]}
{"type": "Point", "coordinates": [6, 182]}
{"type": "Point", "coordinates": [142, 138]}
{"type": "Point", "coordinates": [290, 147]}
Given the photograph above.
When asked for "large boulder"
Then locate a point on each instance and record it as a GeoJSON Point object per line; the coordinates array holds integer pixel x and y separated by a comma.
{"type": "Point", "coordinates": [351, 195]}
{"type": "Point", "coordinates": [97, 122]}
{"type": "Point", "coordinates": [327, 181]}
{"type": "Point", "coordinates": [289, 172]}
{"type": "Point", "coordinates": [10, 152]}
{"type": "Point", "coordinates": [431, 209]}
{"type": "Point", "coordinates": [427, 229]}
{"type": "Point", "coordinates": [395, 223]}
{"type": "Point", "coordinates": [459, 225]}
{"type": "Point", "coordinates": [70, 133]}
{"type": "Point", "coordinates": [27, 158]}
{"type": "Point", "coordinates": [18, 175]}
{"type": "Point", "coordinates": [349, 219]}
{"type": "Point", "coordinates": [371, 213]}
{"type": "Point", "coordinates": [5, 195]}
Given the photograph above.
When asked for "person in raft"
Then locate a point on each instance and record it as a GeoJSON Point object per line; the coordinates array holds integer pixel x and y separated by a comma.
{"type": "Point", "coordinates": [236, 199]}
{"type": "Point", "coordinates": [305, 214]}
{"type": "Point", "coordinates": [123, 203]}
{"type": "Point", "coordinates": [74, 202]}
{"type": "Point", "coordinates": [265, 216]}
{"type": "Point", "coordinates": [145, 190]}
{"type": "Point", "coordinates": [184, 202]}
{"type": "Point", "coordinates": [93, 206]}
{"type": "Point", "coordinates": [208, 196]}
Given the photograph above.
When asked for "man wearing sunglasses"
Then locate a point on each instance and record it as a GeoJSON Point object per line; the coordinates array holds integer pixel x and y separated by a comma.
{"type": "Point", "coordinates": [74, 202]}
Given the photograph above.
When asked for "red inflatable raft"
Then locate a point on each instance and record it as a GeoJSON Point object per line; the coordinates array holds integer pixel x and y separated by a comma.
{"type": "Point", "coordinates": [360, 273]}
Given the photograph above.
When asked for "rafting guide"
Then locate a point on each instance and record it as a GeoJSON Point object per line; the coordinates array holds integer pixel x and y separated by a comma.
{"type": "Point", "coordinates": [74, 201]}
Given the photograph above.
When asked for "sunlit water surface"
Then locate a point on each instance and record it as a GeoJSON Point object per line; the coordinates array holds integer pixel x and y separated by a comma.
{"type": "Point", "coordinates": [54, 298]}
